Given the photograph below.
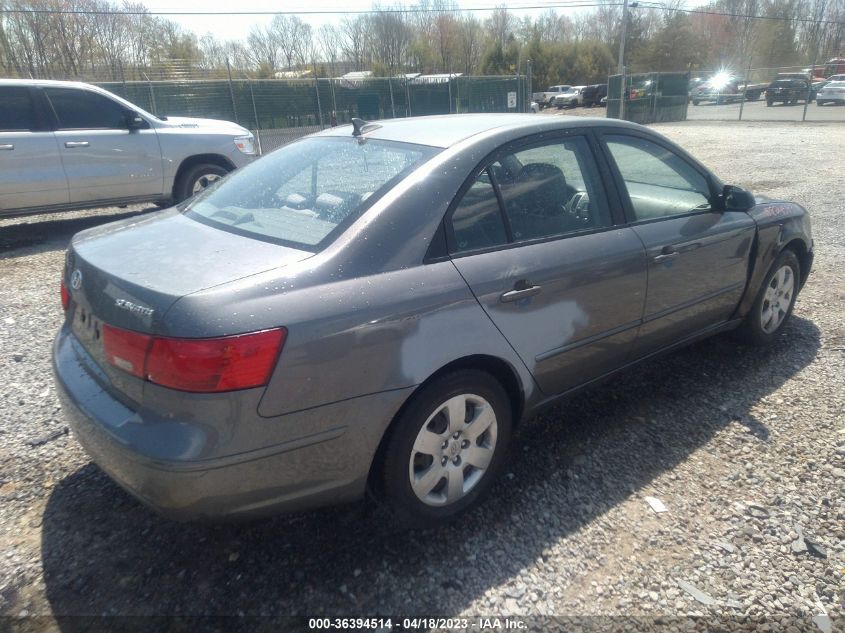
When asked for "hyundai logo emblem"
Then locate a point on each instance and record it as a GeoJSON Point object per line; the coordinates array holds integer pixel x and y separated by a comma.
{"type": "Point", "coordinates": [76, 280]}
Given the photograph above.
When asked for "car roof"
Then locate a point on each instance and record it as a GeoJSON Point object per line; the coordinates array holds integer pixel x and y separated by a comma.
{"type": "Point", "coordinates": [44, 82]}
{"type": "Point", "coordinates": [448, 129]}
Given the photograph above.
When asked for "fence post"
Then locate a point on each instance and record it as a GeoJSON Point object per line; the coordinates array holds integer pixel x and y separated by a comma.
{"type": "Point", "coordinates": [745, 89]}
{"type": "Point", "coordinates": [622, 95]}
{"type": "Point", "coordinates": [255, 114]}
{"type": "Point", "coordinates": [392, 104]}
{"type": "Point", "coordinates": [530, 94]}
{"type": "Point", "coordinates": [450, 93]}
{"type": "Point", "coordinates": [231, 91]}
{"type": "Point", "coordinates": [317, 88]}
{"type": "Point", "coordinates": [810, 84]}
{"type": "Point", "coordinates": [408, 96]}
{"type": "Point", "coordinates": [152, 93]}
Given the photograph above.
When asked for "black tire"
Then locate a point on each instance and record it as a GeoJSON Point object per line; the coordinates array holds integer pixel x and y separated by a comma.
{"type": "Point", "coordinates": [752, 329]}
{"type": "Point", "coordinates": [819, 102]}
{"type": "Point", "coordinates": [695, 102]}
{"type": "Point", "coordinates": [399, 452]}
{"type": "Point", "coordinates": [769, 103]}
{"type": "Point", "coordinates": [185, 187]}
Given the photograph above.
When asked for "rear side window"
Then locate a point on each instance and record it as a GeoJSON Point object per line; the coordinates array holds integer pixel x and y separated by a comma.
{"type": "Point", "coordinates": [555, 190]}
{"type": "Point", "coordinates": [84, 110]}
{"type": "Point", "coordinates": [477, 220]}
{"type": "Point", "coordinates": [16, 109]}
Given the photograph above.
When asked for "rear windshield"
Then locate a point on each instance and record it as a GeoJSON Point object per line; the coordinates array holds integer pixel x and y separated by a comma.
{"type": "Point", "coordinates": [305, 194]}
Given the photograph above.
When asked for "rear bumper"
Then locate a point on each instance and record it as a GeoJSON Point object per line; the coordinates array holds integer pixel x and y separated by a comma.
{"type": "Point", "coordinates": [312, 469]}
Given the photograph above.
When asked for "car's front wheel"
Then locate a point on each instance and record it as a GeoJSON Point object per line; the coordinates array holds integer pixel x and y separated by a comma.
{"type": "Point", "coordinates": [774, 302]}
{"type": "Point", "coordinates": [198, 178]}
{"type": "Point", "coordinates": [446, 448]}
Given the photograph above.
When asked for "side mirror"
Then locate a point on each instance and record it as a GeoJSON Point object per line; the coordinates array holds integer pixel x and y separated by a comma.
{"type": "Point", "coordinates": [135, 121]}
{"type": "Point", "coordinates": [737, 199]}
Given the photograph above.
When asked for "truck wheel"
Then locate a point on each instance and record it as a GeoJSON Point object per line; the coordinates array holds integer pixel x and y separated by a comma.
{"type": "Point", "coordinates": [695, 102]}
{"type": "Point", "coordinates": [819, 102]}
{"type": "Point", "coordinates": [197, 178]}
{"type": "Point", "coordinates": [769, 103]}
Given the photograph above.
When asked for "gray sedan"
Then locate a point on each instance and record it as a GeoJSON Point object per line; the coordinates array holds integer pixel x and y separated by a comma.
{"type": "Point", "coordinates": [376, 307]}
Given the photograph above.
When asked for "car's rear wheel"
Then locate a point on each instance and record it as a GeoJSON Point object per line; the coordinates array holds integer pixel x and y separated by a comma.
{"type": "Point", "coordinates": [769, 102]}
{"type": "Point", "coordinates": [446, 448]}
{"type": "Point", "coordinates": [775, 300]}
{"type": "Point", "coordinates": [197, 178]}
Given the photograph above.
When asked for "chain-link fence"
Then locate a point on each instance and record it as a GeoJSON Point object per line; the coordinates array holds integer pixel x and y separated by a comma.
{"type": "Point", "coordinates": [791, 93]}
{"type": "Point", "coordinates": [280, 110]}
{"type": "Point", "coordinates": [283, 109]}
{"type": "Point", "coordinates": [649, 97]}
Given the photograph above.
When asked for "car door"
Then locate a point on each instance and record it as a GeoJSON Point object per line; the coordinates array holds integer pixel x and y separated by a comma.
{"type": "Point", "coordinates": [533, 235]}
{"type": "Point", "coordinates": [102, 157]}
{"type": "Point", "coordinates": [31, 173]}
{"type": "Point", "coordinates": [697, 254]}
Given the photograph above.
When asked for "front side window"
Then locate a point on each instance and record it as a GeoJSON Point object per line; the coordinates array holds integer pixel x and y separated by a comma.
{"type": "Point", "coordinates": [659, 182]}
{"type": "Point", "coordinates": [16, 109]}
{"type": "Point", "coordinates": [302, 193]}
{"type": "Point", "coordinates": [84, 110]}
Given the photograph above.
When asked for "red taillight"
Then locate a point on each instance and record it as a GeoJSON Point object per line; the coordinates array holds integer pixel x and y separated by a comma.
{"type": "Point", "coordinates": [198, 365]}
{"type": "Point", "coordinates": [65, 297]}
{"type": "Point", "coordinates": [126, 350]}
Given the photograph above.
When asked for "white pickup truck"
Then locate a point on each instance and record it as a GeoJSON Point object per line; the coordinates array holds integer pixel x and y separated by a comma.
{"type": "Point", "coordinates": [67, 145]}
{"type": "Point", "coordinates": [546, 98]}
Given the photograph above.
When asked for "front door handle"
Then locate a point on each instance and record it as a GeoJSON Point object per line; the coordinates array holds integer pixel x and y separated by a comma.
{"type": "Point", "coordinates": [73, 144]}
{"type": "Point", "coordinates": [8, 147]}
{"type": "Point", "coordinates": [668, 253]}
{"type": "Point", "coordinates": [521, 290]}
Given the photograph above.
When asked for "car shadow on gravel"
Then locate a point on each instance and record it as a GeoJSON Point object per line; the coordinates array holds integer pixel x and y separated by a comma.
{"type": "Point", "coordinates": [104, 553]}
{"type": "Point", "coordinates": [53, 232]}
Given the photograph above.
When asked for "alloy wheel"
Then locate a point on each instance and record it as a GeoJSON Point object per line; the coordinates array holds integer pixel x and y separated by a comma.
{"type": "Point", "coordinates": [777, 299]}
{"type": "Point", "coordinates": [204, 181]}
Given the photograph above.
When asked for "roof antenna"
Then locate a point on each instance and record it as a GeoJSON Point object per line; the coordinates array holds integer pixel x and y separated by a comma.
{"type": "Point", "coordinates": [358, 126]}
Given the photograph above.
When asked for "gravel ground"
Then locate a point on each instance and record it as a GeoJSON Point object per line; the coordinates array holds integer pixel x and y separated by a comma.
{"type": "Point", "coordinates": [745, 447]}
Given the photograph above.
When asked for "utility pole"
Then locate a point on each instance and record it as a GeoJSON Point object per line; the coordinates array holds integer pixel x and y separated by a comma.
{"type": "Point", "coordinates": [621, 68]}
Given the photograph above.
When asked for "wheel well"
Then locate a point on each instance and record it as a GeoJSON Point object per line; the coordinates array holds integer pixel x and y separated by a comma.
{"type": "Point", "coordinates": [496, 367]}
{"type": "Point", "coordinates": [192, 161]}
{"type": "Point", "coordinates": [798, 247]}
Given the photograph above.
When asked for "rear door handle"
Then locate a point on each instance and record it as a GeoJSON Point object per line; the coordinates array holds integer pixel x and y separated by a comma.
{"type": "Point", "coordinates": [668, 253]}
{"type": "Point", "coordinates": [8, 147]}
{"type": "Point", "coordinates": [73, 144]}
{"type": "Point", "coordinates": [521, 290]}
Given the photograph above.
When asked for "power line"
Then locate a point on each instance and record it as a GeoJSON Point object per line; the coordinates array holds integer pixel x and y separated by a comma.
{"type": "Point", "coordinates": [557, 4]}
{"type": "Point", "coordinates": [737, 15]}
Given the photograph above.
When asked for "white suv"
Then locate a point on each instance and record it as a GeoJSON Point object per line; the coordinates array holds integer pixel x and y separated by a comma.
{"type": "Point", "coordinates": [67, 145]}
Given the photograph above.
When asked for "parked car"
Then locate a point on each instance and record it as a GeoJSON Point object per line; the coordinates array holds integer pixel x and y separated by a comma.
{"type": "Point", "coordinates": [569, 99]}
{"type": "Point", "coordinates": [592, 95]}
{"type": "Point", "coordinates": [376, 306]}
{"type": "Point", "coordinates": [833, 92]}
{"type": "Point", "coordinates": [724, 88]}
{"type": "Point", "coordinates": [546, 98]}
{"type": "Point", "coordinates": [788, 91]}
{"type": "Point", "coordinates": [836, 78]}
{"type": "Point", "coordinates": [66, 145]}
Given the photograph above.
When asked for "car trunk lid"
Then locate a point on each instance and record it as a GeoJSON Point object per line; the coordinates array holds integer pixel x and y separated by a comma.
{"type": "Point", "coordinates": [129, 278]}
